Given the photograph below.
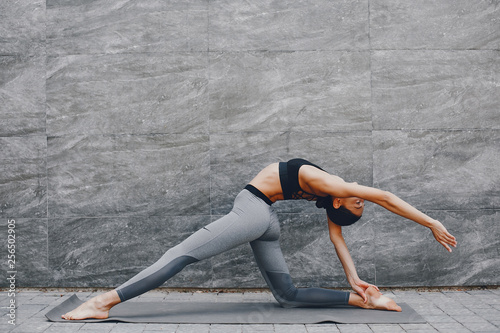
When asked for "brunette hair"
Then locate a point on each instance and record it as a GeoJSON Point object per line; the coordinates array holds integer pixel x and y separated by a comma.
{"type": "Point", "coordinates": [340, 216]}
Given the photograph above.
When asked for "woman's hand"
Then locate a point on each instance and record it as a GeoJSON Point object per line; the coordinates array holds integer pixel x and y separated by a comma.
{"type": "Point", "coordinates": [359, 286]}
{"type": "Point", "coordinates": [442, 235]}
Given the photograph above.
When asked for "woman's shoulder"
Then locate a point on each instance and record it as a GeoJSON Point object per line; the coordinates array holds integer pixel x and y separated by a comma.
{"type": "Point", "coordinates": [317, 181]}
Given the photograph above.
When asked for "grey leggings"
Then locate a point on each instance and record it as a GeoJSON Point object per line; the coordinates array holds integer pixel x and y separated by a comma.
{"type": "Point", "coordinates": [250, 220]}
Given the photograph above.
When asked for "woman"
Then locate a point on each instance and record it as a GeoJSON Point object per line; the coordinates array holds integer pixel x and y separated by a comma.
{"type": "Point", "coordinates": [253, 220]}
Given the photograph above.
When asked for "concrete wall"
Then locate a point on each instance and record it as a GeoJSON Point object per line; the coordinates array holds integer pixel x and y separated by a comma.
{"type": "Point", "coordinates": [125, 126]}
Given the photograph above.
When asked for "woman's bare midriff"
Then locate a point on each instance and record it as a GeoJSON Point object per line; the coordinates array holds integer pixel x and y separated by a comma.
{"type": "Point", "coordinates": [268, 182]}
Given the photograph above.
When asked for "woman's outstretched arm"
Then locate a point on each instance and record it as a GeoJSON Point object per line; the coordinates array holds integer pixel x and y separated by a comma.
{"type": "Point", "coordinates": [400, 207]}
{"type": "Point", "coordinates": [358, 285]}
{"type": "Point", "coordinates": [335, 186]}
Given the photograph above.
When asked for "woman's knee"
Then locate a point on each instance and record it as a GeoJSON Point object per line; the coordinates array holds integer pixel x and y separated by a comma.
{"type": "Point", "coordinates": [282, 288]}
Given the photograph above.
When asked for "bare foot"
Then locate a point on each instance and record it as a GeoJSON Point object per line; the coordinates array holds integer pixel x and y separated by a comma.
{"type": "Point", "coordinates": [378, 301]}
{"type": "Point", "coordinates": [97, 307]}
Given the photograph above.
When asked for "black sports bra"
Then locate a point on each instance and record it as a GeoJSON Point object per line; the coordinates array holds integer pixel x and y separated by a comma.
{"type": "Point", "coordinates": [289, 179]}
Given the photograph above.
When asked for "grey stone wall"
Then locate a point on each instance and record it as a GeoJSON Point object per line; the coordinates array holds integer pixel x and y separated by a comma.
{"type": "Point", "coordinates": [125, 126]}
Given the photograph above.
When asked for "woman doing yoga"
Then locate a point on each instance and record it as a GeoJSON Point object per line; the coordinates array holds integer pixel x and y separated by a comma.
{"type": "Point", "coordinates": [253, 220]}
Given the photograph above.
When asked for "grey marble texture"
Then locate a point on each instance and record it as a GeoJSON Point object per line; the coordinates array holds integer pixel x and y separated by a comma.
{"type": "Point", "coordinates": [287, 25]}
{"type": "Point", "coordinates": [152, 175]}
{"type": "Point", "coordinates": [127, 93]}
{"type": "Point", "coordinates": [23, 188]}
{"type": "Point", "coordinates": [416, 259]}
{"type": "Point", "coordinates": [290, 91]}
{"type": "Point", "coordinates": [428, 24]}
{"type": "Point", "coordinates": [31, 252]}
{"type": "Point", "coordinates": [108, 251]}
{"type": "Point", "coordinates": [126, 126]}
{"type": "Point", "coordinates": [22, 95]}
{"type": "Point", "coordinates": [22, 31]}
{"type": "Point", "coordinates": [446, 170]}
{"type": "Point", "coordinates": [104, 27]}
{"type": "Point", "coordinates": [436, 89]}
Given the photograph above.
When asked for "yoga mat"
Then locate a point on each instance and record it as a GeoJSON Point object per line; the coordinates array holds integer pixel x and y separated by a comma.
{"type": "Point", "coordinates": [237, 313]}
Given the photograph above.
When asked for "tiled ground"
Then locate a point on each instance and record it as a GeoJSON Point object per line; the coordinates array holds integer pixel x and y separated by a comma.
{"type": "Point", "coordinates": [445, 311]}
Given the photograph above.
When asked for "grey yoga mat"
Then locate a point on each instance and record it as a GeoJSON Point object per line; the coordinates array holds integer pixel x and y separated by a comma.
{"type": "Point", "coordinates": [237, 313]}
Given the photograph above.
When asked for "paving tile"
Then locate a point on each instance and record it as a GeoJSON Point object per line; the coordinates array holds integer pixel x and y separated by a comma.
{"type": "Point", "coordinates": [454, 293]}
{"type": "Point", "coordinates": [204, 297]}
{"type": "Point", "coordinates": [96, 329]}
{"type": "Point", "coordinates": [175, 295]}
{"type": "Point", "coordinates": [229, 297]}
{"type": "Point", "coordinates": [454, 330]}
{"type": "Point", "coordinates": [135, 300]}
{"type": "Point", "coordinates": [488, 314]}
{"type": "Point", "coordinates": [154, 294]}
{"type": "Point", "coordinates": [161, 327]}
{"type": "Point", "coordinates": [43, 299]}
{"type": "Point", "coordinates": [457, 310]}
{"type": "Point", "coordinates": [290, 328]}
{"type": "Point", "coordinates": [128, 328]}
{"type": "Point", "coordinates": [354, 328]}
{"type": "Point", "coordinates": [28, 311]}
{"type": "Point", "coordinates": [417, 327]}
{"type": "Point", "coordinates": [495, 291]}
{"type": "Point", "coordinates": [478, 292]}
{"type": "Point", "coordinates": [495, 322]}
{"type": "Point", "coordinates": [438, 319]}
{"type": "Point", "coordinates": [151, 299]}
{"type": "Point", "coordinates": [322, 328]}
{"type": "Point", "coordinates": [481, 327]}
{"type": "Point", "coordinates": [5, 327]}
{"type": "Point", "coordinates": [64, 327]}
{"type": "Point", "coordinates": [84, 295]}
{"type": "Point", "coordinates": [426, 309]}
{"type": "Point", "coordinates": [469, 319]}
{"type": "Point", "coordinates": [257, 297]}
{"type": "Point", "coordinates": [386, 328]}
{"type": "Point", "coordinates": [70, 326]}
{"type": "Point", "coordinates": [193, 328]}
{"type": "Point", "coordinates": [101, 327]}
{"type": "Point", "coordinates": [26, 295]}
{"type": "Point", "coordinates": [31, 327]}
{"type": "Point", "coordinates": [476, 305]}
{"type": "Point", "coordinates": [491, 300]}
{"type": "Point", "coordinates": [258, 328]}
{"type": "Point", "coordinates": [228, 328]}
{"type": "Point", "coordinates": [450, 327]}
{"type": "Point", "coordinates": [406, 293]}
